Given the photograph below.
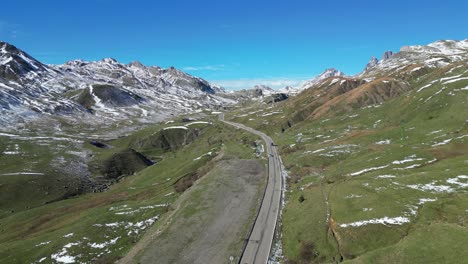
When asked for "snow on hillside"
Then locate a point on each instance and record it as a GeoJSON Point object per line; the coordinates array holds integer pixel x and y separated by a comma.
{"type": "Point", "coordinates": [331, 72]}
{"type": "Point", "coordinates": [30, 89]}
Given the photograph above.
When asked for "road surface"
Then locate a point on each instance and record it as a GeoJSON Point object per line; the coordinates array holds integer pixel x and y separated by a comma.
{"type": "Point", "coordinates": [260, 241]}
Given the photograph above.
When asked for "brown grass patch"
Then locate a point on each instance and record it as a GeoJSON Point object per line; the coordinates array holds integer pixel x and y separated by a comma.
{"type": "Point", "coordinates": [459, 149]}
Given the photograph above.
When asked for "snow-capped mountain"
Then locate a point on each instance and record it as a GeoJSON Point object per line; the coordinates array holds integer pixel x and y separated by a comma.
{"type": "Point", "coordinates": [331, 72]}
{"type": "Point", "coordinates": [106, 90]}
{"type": "Point", "coordinates": [263, 90]}
{"type": "Point", "coordinates": [288, 90]}
{"type": "Point", "coordinates": [433, 55]}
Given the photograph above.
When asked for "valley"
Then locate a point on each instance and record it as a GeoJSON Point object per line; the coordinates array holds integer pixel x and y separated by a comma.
{"type": "Point", "coordinates": [104, 162]}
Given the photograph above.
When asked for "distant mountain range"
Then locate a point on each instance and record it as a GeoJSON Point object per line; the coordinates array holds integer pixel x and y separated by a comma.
{"type": "Point", "coordinates": [106, 91]}
{"type": "Point", "coordinates": [103, 91]}
{"type": "Point", "coordinates": [441, 52]}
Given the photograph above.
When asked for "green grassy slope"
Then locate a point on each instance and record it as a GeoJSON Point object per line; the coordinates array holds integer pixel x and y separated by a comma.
{"type": "Point", "coordinates": [102, 227]}
{"type": "Point", "coordinates": [371, 183]}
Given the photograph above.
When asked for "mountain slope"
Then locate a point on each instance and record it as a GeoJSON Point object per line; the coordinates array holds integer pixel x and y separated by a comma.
{"type": "Point", "coordinates": [30, 89]}
{"type": "Point", "coordinates": [376, 162]}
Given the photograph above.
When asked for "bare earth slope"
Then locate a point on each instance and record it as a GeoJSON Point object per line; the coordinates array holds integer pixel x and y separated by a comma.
{"type": "Point", "coordinates": [211, 225]}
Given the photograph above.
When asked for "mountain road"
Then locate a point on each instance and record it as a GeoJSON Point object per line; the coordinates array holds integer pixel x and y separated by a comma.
{"type": "Point", "coordinates": [260, 241]}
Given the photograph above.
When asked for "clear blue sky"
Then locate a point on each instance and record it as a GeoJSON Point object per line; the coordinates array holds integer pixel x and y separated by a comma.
{"type": "Point", "coordinates": [235, 43]}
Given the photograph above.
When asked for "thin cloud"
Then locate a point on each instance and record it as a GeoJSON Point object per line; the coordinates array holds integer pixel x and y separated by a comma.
{"type": "Point", "coordinates": [204, 68]}
{"type": "Point", "coordinates": [11, 30]}
{"type": "Point", "coordinates": [275, 83]}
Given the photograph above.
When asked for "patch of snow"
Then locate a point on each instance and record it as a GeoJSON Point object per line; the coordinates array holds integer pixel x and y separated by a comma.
{"type": "Point", "coordinates": [198, 122]}
{"type": "Point", "coordinates": [367, 170]}
{"type": "Point", "coordinates": [104, 244]}
{"type": "Point", "coordinates": [353, 196]}
{"type": "Point", "coordinates": [416, 69]}
{"type": "Point", "coordinates": [456, 181]}
{"type": "Point", "coordinates": [426, 86]}
{"type": "Point", "coordinates": [442, 143]}
{"type": "Point", "coordinates": [383, 142]}
{"type": "Point", "coordinates": [456, 80]}
{"type": "Point", "coordinates": [426, 200]}
{"type": "Point", "coordinates": [207, 154]}
{"type": "Point", "coordinates": [433, 60]}
{"type": "Point", "coordinates": [406, 160]}
{"type": "Point", "coordinates": [68, 235]}
{"type": "Point", "coordinates": [11, 152]}
{"type": "Point", "coordinates": [62, 256]}
{"type": "Point", "coordinates": [385, 176]}
{"type": "Point", "coordinates": [434, 132]}
{"type": "Point", "coordinates": [431, 187]}
{"type": "Point", "coordinates": [112, 224]}
{"type": "Point", "coordinates": [408, 167]}
{"type": "Point", "coordinates": [43, 243]}
{"type": "Point", "coordinates": [376, 123]}
{"type": "Point", "coordinates": [312, 152]}
{"type": "Point", "coordinates": [413, 209]}
{"type": "Point", "coordinates": [334, 81]}
{"type": "Point", "coordinates": [451, 77]}
{"type": "Point", "coordinates": [399, 220]}
{"type": "Point", "coordinates": [175, 127]}
{"type": "Point", "coordinates": [272, 113]}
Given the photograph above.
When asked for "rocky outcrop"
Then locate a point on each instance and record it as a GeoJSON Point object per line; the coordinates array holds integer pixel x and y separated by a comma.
{"type": "Point", "coordinates": [277, 97]}
{"type": "Point", "coordinates": [387, 55]}
{"type": "Point", "coordinates": [372, 63]}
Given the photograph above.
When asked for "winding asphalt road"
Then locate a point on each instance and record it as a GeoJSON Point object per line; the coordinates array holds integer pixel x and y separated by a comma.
{"type": "Point", "coordinates": [260, 242]}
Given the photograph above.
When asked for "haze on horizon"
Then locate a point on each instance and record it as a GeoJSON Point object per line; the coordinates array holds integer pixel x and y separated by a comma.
{"type": "Point", "coordinates": [235, 44]}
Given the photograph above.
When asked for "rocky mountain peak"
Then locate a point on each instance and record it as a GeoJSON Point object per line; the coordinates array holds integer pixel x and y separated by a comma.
{"type": "Point", "coordinates": [136, 64]}
{"type": "Point", "coordinates": [7, 48]}
{"type": "Point", "coordinates": [109, 60]}
{"type": "Point", "coordinates": [15, 62]}
{"type": "Point", "coordinates": [288, 90]}
{"type": "Point", "coordinates": [263, 87]}
{"type": "Point", "coordinates": [372, 63]}
{"type": "Point", "coordinates": [76, 63]}
{"type": "Point", "coordinates": [330, 72]}
{"type": "Point", "coordinates": [387, 55]}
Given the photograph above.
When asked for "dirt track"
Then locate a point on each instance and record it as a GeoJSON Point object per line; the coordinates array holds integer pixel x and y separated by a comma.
{"type": "Point", "coordinates": [212, 221]}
